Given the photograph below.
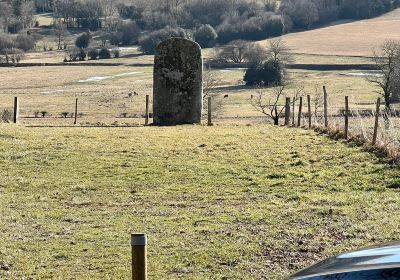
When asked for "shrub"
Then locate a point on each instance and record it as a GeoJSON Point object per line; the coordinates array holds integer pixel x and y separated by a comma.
{"type": "Point", "coordinates": [264, 74]}
{"type": "Point", "coordinates": [149, 43]}
{"type": "Point", "coordinates": [73, 54]}
{"type": "Point", "coordinates": [255, 53]}
{"type": "Point", "coordinates": [242, 51]}
{"type": "Point", "coordinates": [6, 42]}
{"type": "Point", "coordinates": [6, 116]}
{"type": "Point", "coordinates": [81, 54]}
{"type": "Point", "coordinates": [125, 34]}
{"type": "Point", "coordinates": [15, 26]}
{"type": "Point", "coordinates": [93, 54]}
{"type": "Point", "coordinates": [76, 54]}
{"type": "Point", "coordinates": [83, 41]}
{"type": "Point", "coordinates": [104, 53]}
{"type": "Point", "coordinates": [13, 55]}
{"type": "Point", "coordinates": [25, 42]}
{"type": "Point", "coordinates": [205, 35]}
{"type": "Point", "coordinates": [129, 33]}
{"type": "Point", "coordinates": [116, 53]}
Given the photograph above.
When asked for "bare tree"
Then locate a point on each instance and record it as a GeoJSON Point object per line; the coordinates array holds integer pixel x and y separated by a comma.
{"type": "Point", "coordinates": [61, 33]}
{"type": "Point", "coordinates": [27, 13]}
{"type": "Point", "coordinates": [279, 52]}
{"type": "Point", "coordinates": [269, 103]}
{"type": "Point", "coordinates": [210, 84]}
{"type": "Point", "coordinates": [109, 8]}
{"type": "Point", "coordinates": [5, 15]}
{"type": "Point", "coordinates": [255, 53]}
{"type": "Point", "coordinates": [387, 61]}
{"type": "Point", "coordinates": [235, 51]}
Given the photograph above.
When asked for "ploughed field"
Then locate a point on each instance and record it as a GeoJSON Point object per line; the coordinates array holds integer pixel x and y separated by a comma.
{"type": "Point", "coordinates": [222, 202]}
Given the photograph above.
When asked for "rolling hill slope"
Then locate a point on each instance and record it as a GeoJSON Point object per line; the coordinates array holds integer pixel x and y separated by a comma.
{"type": "Point", "coordinates": [350, 39]}
{"type": "Point", "coordinates": [222, 202]}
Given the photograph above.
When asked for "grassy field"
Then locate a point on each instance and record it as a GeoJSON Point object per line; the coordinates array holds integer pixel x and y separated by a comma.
{"type": "Point", "coordinates": [223, 202]}
{"type": "Point", "coordinates": [107, 92]}
{"type": "Point", "coordinates": [240, 200]}
{"type": "Point", "coordinates": [355, 38]}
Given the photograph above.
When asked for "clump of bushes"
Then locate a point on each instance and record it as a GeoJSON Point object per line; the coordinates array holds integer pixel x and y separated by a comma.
{"type": "Point", "coordinates": [25, 42]}
{"type": "Point", "coordinates": [6, 116]}
{"type": "Point", "coordinates": [116, 53]}
{"type": "Point", "coordinates": [205, 36]}
{"type": "Point", "coordinates": [83, 41]}
{"type": "Point", "coordinates": [269, 73]}
{"type": "Point", "coordinates": [76, 54]}
{"type": "Point", "coordinates": [240, 51]}
{"type": "Point", "coordinates": [255, 28]}
{"type": "Point", "coordinates": [104, 53]}
{"type": "Point", "coordinates": [12, 56]}
{"type": "Point", "coordinates": [13, 48]}
{"type": "Point", "coordinates": [93, 54]}
{"type": "Point", "coordinates": [149, 42]}
{"type": "Point", "coordinates": [129, 33]}
{"type": "Point", "coordinates": [125, 34]}
{"type": "Point", "coordinates": [65, 114]}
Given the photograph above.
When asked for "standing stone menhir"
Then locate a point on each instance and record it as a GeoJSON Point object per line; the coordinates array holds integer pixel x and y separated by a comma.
{"type": "Point", "coordinates": [178, 82]}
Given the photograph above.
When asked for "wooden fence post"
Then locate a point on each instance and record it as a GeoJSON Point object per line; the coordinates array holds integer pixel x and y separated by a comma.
{"type": "Point", "coordinates": [326, 107]}
{"type": "Point", "coordinates": [76, 112]}
{"type": "Point", "coordinates": [294, 109]}
{"type": "Point", "coordinates": [346, 118]}
{"type": "Point", "coordinates": [16, 110]}
{"type": "Point", "coordinates": [287, 111]}
{"type": "Point", "coordinates": [147, 110]}
{"type": "Point", "coordinates": [309, 111]}
{"type": "Point", "coordinates": [139, 256]}
{"type": "Point", "coordinates": [209, 111]}
{"type": "Point", "coordinates": [300, 112]}
{"type": "Point", "coordinates": [375, 137]}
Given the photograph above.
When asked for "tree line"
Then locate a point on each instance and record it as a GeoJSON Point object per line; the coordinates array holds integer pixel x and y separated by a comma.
{"type": "Point", "coordinates": [231, 19]}
{"type": "Point", "coordinates": [208, 22]}
{"type": "Point", "coordinates": [303, 14]}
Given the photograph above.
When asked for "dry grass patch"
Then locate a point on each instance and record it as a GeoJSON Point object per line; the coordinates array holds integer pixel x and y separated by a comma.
{"type": "Point", "coordinates": [223, 202]}
{"type": "Point", "coordinates": [349, 39]}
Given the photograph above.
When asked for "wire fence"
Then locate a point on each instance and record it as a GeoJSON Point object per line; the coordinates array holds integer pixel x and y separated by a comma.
{"type": "Point", "coordinates": [359, 119]}
{"type": "Point", "coordinates": [374, 126]}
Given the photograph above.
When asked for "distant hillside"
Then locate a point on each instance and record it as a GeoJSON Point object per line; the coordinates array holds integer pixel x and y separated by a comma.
{"type": "Point", "coordinates": [354, 39]}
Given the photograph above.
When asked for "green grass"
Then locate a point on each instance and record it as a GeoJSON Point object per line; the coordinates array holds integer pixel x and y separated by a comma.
{"type": "Point", "coordinates": [223, 202]}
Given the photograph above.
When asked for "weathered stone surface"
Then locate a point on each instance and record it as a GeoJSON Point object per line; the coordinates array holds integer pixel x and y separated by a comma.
{"type": "Point", "coordinates": [178, 83]}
